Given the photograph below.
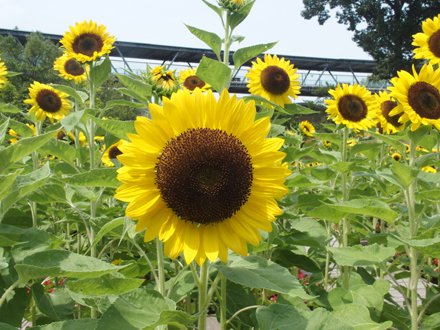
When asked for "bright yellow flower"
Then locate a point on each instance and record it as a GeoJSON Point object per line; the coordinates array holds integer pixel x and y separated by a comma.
{"type": "Point", "coordinates": [164, 81]}
{"type": "Point", "coordinates": [429, 169]}
{"type": "Point", "coordinates": [428, 41]}
{"type": "Point", "coordinates": [202, 176]}
{"type": "Point", "coordinates": [15, 136]}
{"type": "Point", "coordinates": [274, 79]}
{"type": "Point", "coordinates": [82, 138]}
{"type": "Point", "coordinates": [47, 101]}
{"type": "Point", "coordinates": [189, 80]}
{"type": "Point", "coordinates": [307, 128]}
{"type": "Point", "coordinates": [419, 95]}
{"type": "Point", "coordinates": [70, 69]}
{"type": "Point", "coordinates": [111, 153]}
{"type": "Point", "coordinates": [3, 74]}
{"type": "Point", "coordinates": [352, 106]}
{"type": "Point", "coordinates": [87, 41]}
{"type": "Point", "coordinates": [396, 156]}
{"type": "Point", "coordinates": [385, 103]}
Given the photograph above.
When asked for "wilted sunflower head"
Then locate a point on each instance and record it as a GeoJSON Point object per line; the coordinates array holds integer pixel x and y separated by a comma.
{"type": "Point", "coordinates": [274, 79]}
{"type": "Point", "coordinates": [87, 41]}
{"type": "Point", "coordinates": [352, 106]}
{"type": "Point", "coordinates": [189, 80]}
{"type": "Point", "coordinates": [47, 101]}
{"type": "Point", "coordinates": [385, 103]}
{"type": "Point", "coordinates": [307, 128]}
{"type": "Point", "coordinates": [111, 153]}
{"type": "Point", "coordinates": [202, 176]}
{"type": "Point", "coordinates": [428, 41]}
{"type": "Point", "coordinates": [419, 96]}
{"type": "Point", "coordinates": [3, 74]}
{"type": "Point", "coordinates": [70, 69]}
{"type": "Point", "coordinates": [164, 81]}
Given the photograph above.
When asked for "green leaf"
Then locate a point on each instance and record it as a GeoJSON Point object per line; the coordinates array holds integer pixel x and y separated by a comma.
{"type": "Point", "coordinates": [359, 318]}
{"type": "Point", "coordinates": [137, 86]}
{"type": "Point", "coordinates": [430, 195]}
{"type": "Point", "coordinates": [243, 55]}
{"type": "Point", "coordinates": [215, 73]}
{"type": "Point", "coordinates": [124, 103]}
{"type": "Point", "coordinates": [22, 148]}
{"type": "Point", "coordinates": [174, 319]}
{"type": "Point", "coordinates": [99, 177]}
{"type": "Point", "coordinates": [361, 255]}
{"type": "Point", "coordinates": [71, 92]}
{"type": "Point", "coordinates": [100, 72]}
{"type": "Point", "coordinates": [70, 121]}
{"type": "Point", "coordinates": [104, 285]}
{"type": "Point", "coordinates": [6, 183]}
{"type": "Point", "coordinates": [5, 326]}
{"type": "Point", "coordinates": [108, 227]}
{"type": "Point", "coordinates": [60, 150]}
{"type": "Point", "coordinates": [61, 263]}
{"type": "Point", "coordinates": [211, 39]}
{"type": "Point", "coordinates": [404, 174]}
{"type": "Point", "coordinates": [239, 16]}
{"type": "Point", "coordinates": [280, 317]}
{"type": "Point", "coordinates": [180, 285]}
{"type": "Point", "coordinates": [3, 130]}
{"type": "Point", "coordinates": [58, 306]}
{"type": "Point", "coordinates": [9, 108]}
{"type": "Point", "coordinates": [81, 324]}
{"type": "Point", "coordinates": [296, 109]}
{"type": "Point", "coordinates": [257, 272]}
{"type": "Point", "coordinates": [431, 322]}
{"type": "Point", "coordinates": [366, 207]}
{"type": "Point", "coordinates": [12, 311]}
{"type": "Point", "coordinates": [118, 128]}
{"type": "Point", "coordinates": [216, 9]}
{"type": "Point", "coordinates": [420, 133]}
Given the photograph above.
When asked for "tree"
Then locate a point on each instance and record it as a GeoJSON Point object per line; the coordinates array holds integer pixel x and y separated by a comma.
{"type": "Point", "coordinates": [382, 28]}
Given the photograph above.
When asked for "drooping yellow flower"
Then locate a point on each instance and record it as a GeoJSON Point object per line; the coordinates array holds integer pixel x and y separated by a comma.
{"type": "Point", "coordinates": [307, 128]}
{"type": "Point", "coordinates": [164, 81]}
{"type": "Point", "coordinates": [396, 156]}
{"type": "Point", "coordinates": [429, 169]}
{"type": "Point", "coordinates": [87, 41]}
{"type": "Point", "coordinates": [352, 106]}
{"type": "Point", "coordinates": [47, 101]}
{"type": "Point", "coordinates": [111, 153]}
{"type": "Point", "coordinates": [428, 41]}
{"type": "Point", "coordinates": [275, 79]}
{"type": "Point", "coordinates": [70, 69]}
{"type": "Point", "coordinates": [419, 95]}
{"type": "Point", "coordinates": [3, 74]}
{"type": "Point", "coordinates": [82, 138]}
{"type": "Point", "coordinates": [385, 103]}
{"type": "Point", "coordinates": [189, 80]}
{"type": "Point", "coordinates": [202, 176]}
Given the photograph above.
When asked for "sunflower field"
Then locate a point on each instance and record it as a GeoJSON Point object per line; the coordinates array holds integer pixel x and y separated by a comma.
{"type": "Point", "coordinates": [219, 211]}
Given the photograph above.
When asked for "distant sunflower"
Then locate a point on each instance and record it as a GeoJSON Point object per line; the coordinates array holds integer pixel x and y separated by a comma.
{"type": "Point", "coordinates": [352, 106]}
{"type": "Point", "coordinates": [385, 103]}
{"type": "Point", "coordinates": [429, 169]}
{"type": "Point", "coordinates": [428, 42]}
{"type": "Point", "coordinates": [232, 5]}
{"type": "Point", "coordinates": [419, 95]}
{"type": "Point", "coordinates": [47, 101]}
{"type": "Point", "coordinates": [396, 156]}
{"type": "Point", "coordinates": [70, 69]}
{"type": "Point", "coordinates": [111, 153]}
{"type": "Point", "coordinates": [87, 41]}
{"type": "Point", "coordinates": [275, 79]}
{"type": "Point", "coordinates": [307, 128]}
{"type": "Point", "coordinates": [189, 80]}
{"type": "Point", "coordinates": [202, 176]}
{"type": "Point", "coordinates": [3, 74]}
{"type": "Point", "coordinates": [164, 81]}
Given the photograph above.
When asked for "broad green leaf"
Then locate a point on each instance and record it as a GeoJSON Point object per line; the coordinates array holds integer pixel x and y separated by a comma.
{"type": "Point", "coordinates": [358, 317]}
{"type": "Point", "coordinates": [404, 174]}
{"type": "Point", "coordinates": [428, 246]}
{"type": "Point", "coordinates": [238, 297]}
{"type": "Point", "coordinates": [60, 150]}
{"type": "Point", "coordinates": [239, 16]}
{"type": "Point", "coordinates": [180, 285]}
{"type": "Point", "coordinates": [243, 55]}
{"type": "Point", "coordinates": [216, 9]}
{"type": "Point", "coordinates": [62, 263]}
{"type": "Point", "coordinates": [174, 319]}
{"type": "Point", "coordinates": [287, 258]}
{"type": "Point", "coordinates": [297, 109]}
{"type": "Point", "coordinates": [6, 183]}
{"type": "Point", "coordinates": [71, 92]}
{"type": "Point", "coordinates": [9, 108]}
{"type": "Point", "coordinates": [420, 133]}
{"type": "Point", "coordinates": [104, 285]}
{"type": "Point", "coordinates": [100, 72]}
{"type": "Point", "coordinates": [3, 130]}
{"type": "Point", "coordinates": [99, 177]}
{"type": "Point", "coordinates": [109, 226]}
{"type": "Point", "coordinates": [15, 152]}
{"type": "Point", "coordinates": [124, 103]}
{"type": "Point", "coordinates": [12, 311]}
{"type": "Point", "coordinates": [5, 326]}
{"type": "Point", "coordinates": [280, 317]}
{"type": "Point", "coordinates": [137, 86]}
{"type": "Point", "coordinates": [361, 255]}
{"type": "Point", "coordinates": [70, 121]}
{"type": "Point", "coordinates": [82, 324]}
{"type": "Point", "coordinates": [366, 207]}
{"type": "Point", "coordinates": [431, 322]}
{"type": "Point", "coordinates": [259, 100]}
{"type": "Point", "coordinates": [211, 39]}
{"type": "Point", "coordinates": [257, 272]}
{"type": "Point", "coordinates": [58, 306]}
{"type": "Point", "coordinates": [430, 195]}
{"type": "Point", "coordinates": [10, 235]}
{"type": "Point", "coordinates": [118, 128]}
{"type": "Point", "coordinates": [214, 73]}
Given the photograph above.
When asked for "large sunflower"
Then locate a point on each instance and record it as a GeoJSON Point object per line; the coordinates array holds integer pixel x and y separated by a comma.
{"type": "Point", "coordinates": [428, 42]}
{"type": "Point", "coordinates": [3, 74]}
{"type": "Point", "coordinates": [189, 80]}
{"type": "Point", "coordinates": [202, 176]}
{"type": "Point", "coordinates": [70, 69]}
{"type": "Point", "coordinates": [385, 103]}
{"type": "Point", "coordinates": [419, 95]}
{"type": "Point", "coordinates": [275, 79]}
{"type": "Point", "coordinates": [47, 101]}
{"type": "Point", "coordinates": [87, 41]}
{"type": "Point", "coordinates": [352, 106]}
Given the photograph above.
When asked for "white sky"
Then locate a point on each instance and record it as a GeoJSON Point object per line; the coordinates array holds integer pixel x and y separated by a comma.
{"type": "Point", "coordinates": [162, 22]}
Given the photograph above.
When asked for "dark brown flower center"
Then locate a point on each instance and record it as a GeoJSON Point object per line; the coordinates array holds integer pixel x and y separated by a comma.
{"type": "Point", "coordinates": [49, 101]}
{"type": "Point", "coordinates": [397, 157]}
{"type": "Point", "coordinates": [192, 82]}
{"type": "Point", "coordinates": [275, 80]}
{"type": "Point", "coordinates": [87, 44]}
{"type": "Point", "coordinates": [425, 100]}
{"type": "Point", "coordinates": [204, 175]}
{"type": "Point", "coordinates": [73, 67]}
{"type": "Point", "coordinates": [386, 108]}
{"type": "Point", "coordinates": [352, 108]}
{"type": "Point", "coordinates": [434, 43]}
{"type": "Point", "coordinates": [114, 152]}
{"type": "Point", "coordinates": [61, 135]}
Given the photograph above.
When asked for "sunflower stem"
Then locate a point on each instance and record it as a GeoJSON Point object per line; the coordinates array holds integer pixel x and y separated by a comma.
{"type": "Point", "coordinates": [223, 307]}
{"type": "Point", "coordinates": [160, 267]}
{"type": "Point", "coordinates": [228, 33]}
{"type": "Point", "coordinates": [327, 258]}
{"type": "Point", "coordinates": [203, 297]}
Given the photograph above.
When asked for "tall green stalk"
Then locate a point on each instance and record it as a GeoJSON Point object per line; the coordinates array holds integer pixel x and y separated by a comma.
{"type": "Point", "coordinates": [203, 295]}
